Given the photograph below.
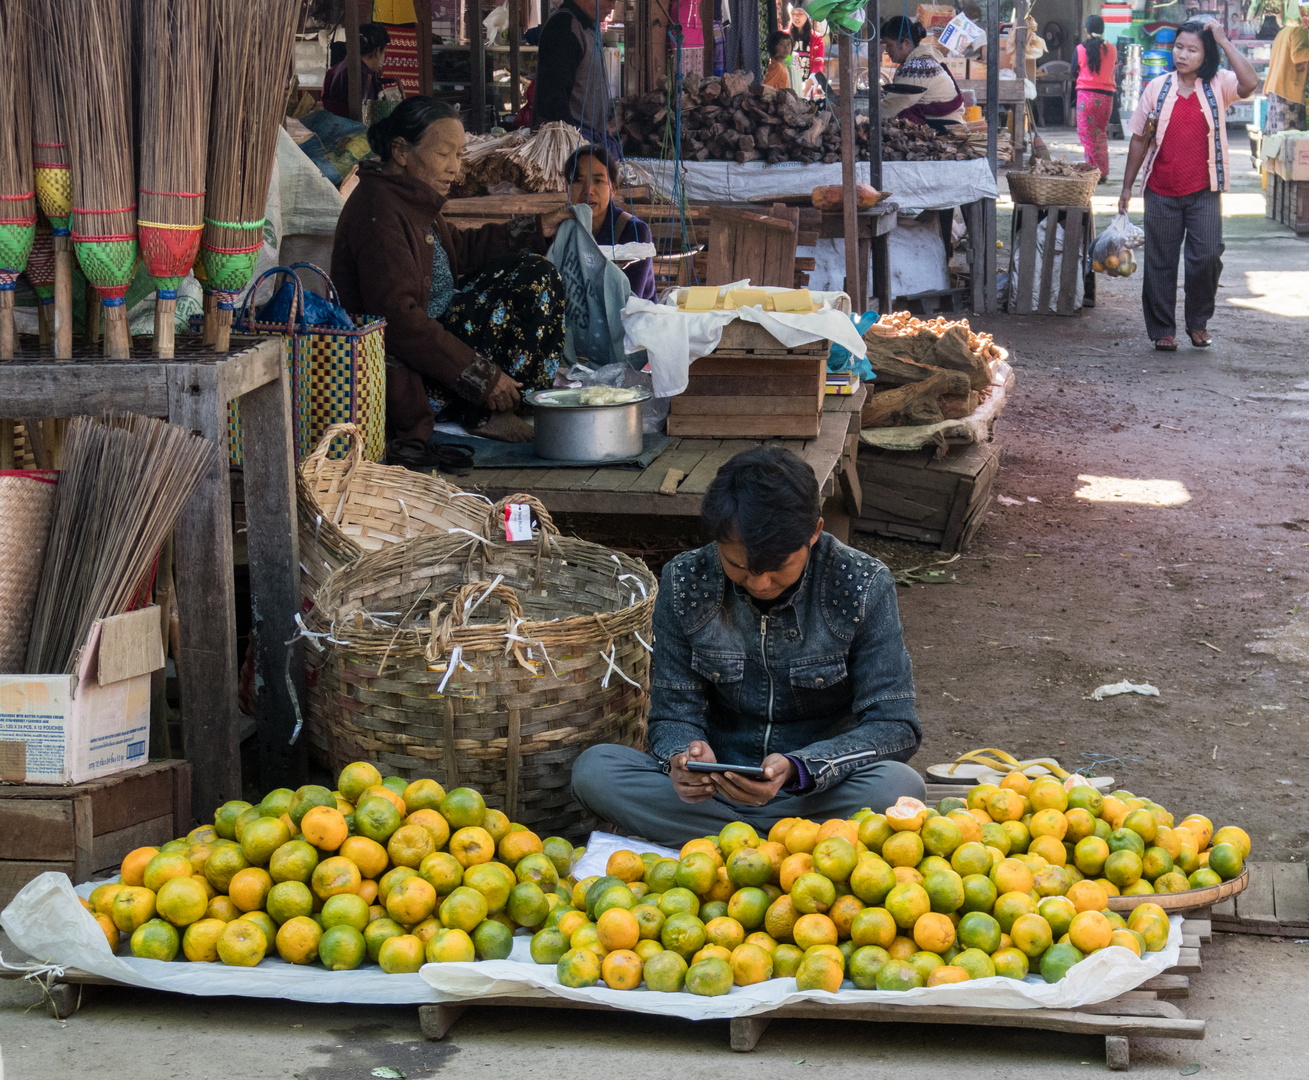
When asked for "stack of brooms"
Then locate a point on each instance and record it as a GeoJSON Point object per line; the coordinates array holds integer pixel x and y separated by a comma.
{"type": "Point", "coordinates": [17, 193]}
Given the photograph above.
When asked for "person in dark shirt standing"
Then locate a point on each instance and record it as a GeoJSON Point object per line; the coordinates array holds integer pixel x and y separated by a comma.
{"type": "Point", "coordinates": [373, 40]}
{"type": "Point", "coordinates": [570, 82]}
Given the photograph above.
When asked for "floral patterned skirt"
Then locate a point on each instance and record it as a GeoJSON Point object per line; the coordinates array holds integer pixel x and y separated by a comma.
{"type": "Point", "coordinates": [512, 314]}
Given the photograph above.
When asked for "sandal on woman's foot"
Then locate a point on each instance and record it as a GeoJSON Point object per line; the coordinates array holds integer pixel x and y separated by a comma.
{"type": "Point", "coordinates": [1200, 338]}
{"type": "Point", "coordinates": [1166, 344]}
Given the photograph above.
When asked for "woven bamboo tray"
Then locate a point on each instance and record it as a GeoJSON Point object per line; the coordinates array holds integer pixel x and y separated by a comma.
{"type": "Point", "coordinates": [1035, 190]}
{"type": "Point", "coordinates": [485, 663]}
{"type": "Point", "coordinates": [1184, 901]}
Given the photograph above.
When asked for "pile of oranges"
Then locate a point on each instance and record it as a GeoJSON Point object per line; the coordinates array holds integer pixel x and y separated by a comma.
{"type": "Point", "coordinates": [1012, 879]}
{"type": "Point", "coordinates": [381, 870]}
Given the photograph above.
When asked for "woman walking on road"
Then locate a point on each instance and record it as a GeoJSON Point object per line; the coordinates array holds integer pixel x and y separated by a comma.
{"type": "Point", "coordinates": [1180, 135]}
{"type": "Point", "coordinates": [1094, 63]}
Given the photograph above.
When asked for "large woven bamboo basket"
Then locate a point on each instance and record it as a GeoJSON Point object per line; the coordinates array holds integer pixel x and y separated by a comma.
{"type": "Point", "coordinates": [348, 506]}
{"type": "Point", "coordinates": [487, 664]}
{"type": "Point", "coordinates": [1038, 190]}
{"type": "Point", "coordinates": [27, 505]}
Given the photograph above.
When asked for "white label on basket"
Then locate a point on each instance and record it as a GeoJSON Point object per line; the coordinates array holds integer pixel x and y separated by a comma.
{"type": "Point", "coordinates": [518, 521]}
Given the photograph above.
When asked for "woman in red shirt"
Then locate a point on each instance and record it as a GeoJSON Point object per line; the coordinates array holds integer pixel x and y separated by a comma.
{"type": "Point", "coordinates": [807, 47]}
{"type": "Point", "coordinates": [1179, 133]}
{"type": "Point", "coordinates": [1094, 63]}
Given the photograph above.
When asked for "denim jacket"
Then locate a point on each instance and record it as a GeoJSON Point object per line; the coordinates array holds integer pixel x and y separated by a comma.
{"type": "Point", "coordinates": [824, 677]}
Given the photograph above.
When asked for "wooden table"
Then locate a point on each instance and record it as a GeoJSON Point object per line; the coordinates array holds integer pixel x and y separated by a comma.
{"type": "Point", "coordinates": [874, 226]}
{"type": "Point", "coordinates": [589, 490]}
{"type": "Point", "coordinates": [193, 391]}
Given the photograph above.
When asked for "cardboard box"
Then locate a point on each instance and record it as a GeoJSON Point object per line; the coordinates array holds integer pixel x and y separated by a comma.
{"type": "Point", "coordinates": [1295, 158]}
{"type": "Point", "coordinates": [67, 729]}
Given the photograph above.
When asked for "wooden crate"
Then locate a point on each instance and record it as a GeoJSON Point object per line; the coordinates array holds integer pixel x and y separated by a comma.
{"type": "Point", "coordinates": [1275, 902]}
{"type": "Point", "coordinates": [84, 829]}
{"type": "Point", "coordinates": [1287, 201]}
{"type": "Point", "coordinates": [759, 396]}
{"type": "Point", "coordinates": [914, 495]}
{"type": "Point", "coordinates": [1053, 297]}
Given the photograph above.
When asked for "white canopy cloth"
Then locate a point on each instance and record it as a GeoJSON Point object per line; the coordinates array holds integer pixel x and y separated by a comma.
{"type": "Point", "coordinates": [673, 338]}
{"type": "Point", "coordinates": [914, 185]}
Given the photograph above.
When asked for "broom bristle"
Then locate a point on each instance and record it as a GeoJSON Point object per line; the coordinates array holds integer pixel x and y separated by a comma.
{"type": "Point", "coordinates": [252, 70]}
{"type": "Point", "coordinates": [94, 46]}
{"type": "Point", "coordinates": [176, 78]}
{"type": "Point", "coordinates": [17, 199]}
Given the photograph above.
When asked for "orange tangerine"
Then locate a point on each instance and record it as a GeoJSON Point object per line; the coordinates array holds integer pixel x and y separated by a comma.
{"type": "Point", "coordinates": [164, 867]}
{"type": "Point", "coordinates": [621, 970]}
{"type": "Point", "coordinates": [413, 900]}
{"type": "Point", "coordinates": [242, 944]}
{"type": "Point", "coordinates": [819, 972]}
{"type": "Point", "coordinates": [463, 909]}
{"type": "Point", "coordinates": [133, 906]}
{"type": "Point", "coordinates": [409, 845]}
{"type": "Point", "coordinates": [715, 951]}
{"type": "Point", "coordinates": [802, 837]}
{"type": "Point", "coordinates": [969, 827]}
{"type": "Point", "coordinates": [497, 823]}
{"type": "Point", "coordinates": [261, 837]}
{"type": "Point", "coordinates": [626, 866]}
{"type": "Point", "coordinates": [335, 875]}
{"type": "Point", "coordinates": [425, 794]}
{"type": "Point", "coordinates": [1017, 781]}
{"type": "Point", "coordinates": [402, 954]}
{"type": "Point", "coordinates": [907, 875]}
{"type": "Point", "coordinates": [182, 901]}
{"type": "Point", "coordinates": [777, 833]}
{"type": "Point", "coordinates": [724, 931]}
{"type": "Point", "coordinates": [1200, 827]}
{"type": "Point", "coordinates": [472, 845]}
{"type": "Point", "coordinates": [431, 820]}
{"type": "Point", "coordinates": [1090, 931]}
{"type": "Point", "coordinates": [324, 827]}
{"type": "Point", "coordinates": [907, 815]}
{"type": "Point", "coordinates": [750, 964]}
{"type": "Point", "coordinates": [843, 913]}
{"type": "Point", "coordinates": [792, 867]}
{"type": "Point", "coordinates": [1049, 822]}
{"type": "Point", "coordinates": [1047, 793]}
{"type": "Point", "coordinates": [1031, 935]}
{"type": "Point", "coordinates": [1004, 805]}
{"type": "Point", "coordinates": [705, 845]}
{"type": "Point", "coordinates": [934, 932]}
{"type": "Point", "coordinates": [424, 931]}
{"type": "Point", "coordinates": [1087, 895]}
{"type": "Point", "coordinates": [518, 845]}
{"type": "Point", "coordinates": [846, 830]}
{"type": "Point", "coordinates": [776, 854]}
{"type": "Point", "coordinates": [110, 931]}
{"type": "Point", "coordinates": [249, 888]}
{"type": "Point", "coordinates": [873, 926]}
{"type": "Point", "coordinates": [981, 816]}
{"type": "Point", "coordinates": [1237, 838]}
{"type": "Point", "coordinates": [133, 869]}
{"type": "Point", "coordinates": [297, 940]}
{"type": "Point", "coordinates": [780, 918]}
{"type": "Point", "coordinates": [814, 929]}
{"type": "Point", "coordinates": [200, 941]}
{"type": "Point", "coordinates": [368, 855]}
{"type": "Point", "coordinates": [102, 897]}
{"type": "Point", "coordinates": [1050, 849]}
{"type": "Point", "coordinates": [618, 929]}
{"type": "Point", "coordinates": [1010, 875]}
{"type": "Point", "coordinates": [448, 946]}
{"type": "Point", "coordinates": [384, 792]}
{"type": "Point", "coordinates": [947, 973]}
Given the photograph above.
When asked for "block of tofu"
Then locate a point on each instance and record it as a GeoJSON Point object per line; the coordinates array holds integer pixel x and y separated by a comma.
{"type": "Point", "coordinates": [793, 301]}
{"type": "Point", "coordinates": [701, 298]}
{"type": "Point", "coordinates": [739, 298]}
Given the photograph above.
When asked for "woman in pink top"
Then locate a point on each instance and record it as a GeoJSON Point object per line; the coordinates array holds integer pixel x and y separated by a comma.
{"type": "Point", "coordinates": [1179, 133]}
{"type": "Point", "coordinates": [1094, 63]}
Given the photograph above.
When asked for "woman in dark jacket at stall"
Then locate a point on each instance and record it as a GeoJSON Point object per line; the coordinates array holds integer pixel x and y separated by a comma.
{"type": "Point", "coordinates": [473, 316]}
{"type": "Point", "coordinates": [593, 176]}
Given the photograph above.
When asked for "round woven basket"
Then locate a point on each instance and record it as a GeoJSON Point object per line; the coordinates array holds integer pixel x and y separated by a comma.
{"type": "Point", "coordinates": [486, 664]}
{"type": "Point", "coordinates": [1035, 190]}
{"type": "Point", "coordinates": [27, 504]}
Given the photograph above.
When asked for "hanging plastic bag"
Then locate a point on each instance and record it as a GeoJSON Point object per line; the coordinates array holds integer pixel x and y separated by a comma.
{"type": "Point", "coordinates": [841, 359]}
{"type": "Point", "coordinates": [1112, 251]}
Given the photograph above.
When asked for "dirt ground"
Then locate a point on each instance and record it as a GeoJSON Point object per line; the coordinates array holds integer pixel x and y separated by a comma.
{"type": "Point", "coordinates": [1062, 592]}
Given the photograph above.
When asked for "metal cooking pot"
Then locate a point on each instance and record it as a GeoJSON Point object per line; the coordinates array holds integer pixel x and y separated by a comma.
{"type": "Point", "coordinates": [567, 430]}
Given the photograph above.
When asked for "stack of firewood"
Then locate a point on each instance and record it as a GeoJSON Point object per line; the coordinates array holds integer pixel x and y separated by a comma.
{"type": "Point", "coordinates": [732, 118]}
{"type": "Point", "coordinates": [927, 371]}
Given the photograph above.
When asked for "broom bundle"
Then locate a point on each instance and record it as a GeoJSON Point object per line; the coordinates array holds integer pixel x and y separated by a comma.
{"type": "Point", "coordinates": [41, 276]}
{"type": "Point", "coordinates": [252, 71]}
{"type": "Point", "coordinates": [94, 43]}
{"type": "Point", "coordinates": [176, 79]}
{"type": "Point", "coordinates": [50, 165]}
{"type": "Point", "coordinates": [17, 192]}
{"type": "Point", "coordinates": [122, 484]}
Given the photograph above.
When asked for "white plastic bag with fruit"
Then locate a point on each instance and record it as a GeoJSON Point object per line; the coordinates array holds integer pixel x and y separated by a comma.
{"type": "Point", "coordinates": [1112, 251]}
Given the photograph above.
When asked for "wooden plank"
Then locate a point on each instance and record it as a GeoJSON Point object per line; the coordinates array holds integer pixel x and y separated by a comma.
{"type": "Point", "coordinates": [809, 365]}
{"type": "Point", "coordinates": [753, 385]}
{"type": "Point", "coordinates": [683, 456]}
{"type": "Point", "coordinates": [207, 665]}
{"type": "Point", "coordinates": [1169, 986]}
{"type": "Point", "coordinates": [724, 405]}
{"type": "Point", "coordinates": [722, 251]}
{"type": "Point", "coordinates": [1188, 963]}
{"type": "Point", "coordinates": [884, 500]}
{"type": "Point", "coordinates": [699, 478]}
{"type": "Point", "coordinates": [109, 849]}
{"type": "Point", "coordinates": [82, 864]}
{"type": "Point", "coordinates": [1025, 246]}
{"type": "Point", "coordinates": [82, 389]}
{"type": "Point", "coordinates": [1047, 260]}
{"type": "Point", "coordinates": [1071, 264]}
{"type": "Point", "coordinates": [33, 829]}
{"type": "Point", "coordinates": [1291, 892]}
{"type": "Point", "coordinates": [14, 874]}
{"type": "Point", "coordinates": [138, 796]}
{"type": "Point", "coordinates": [754, 426]}
{"type": "Point", "coordinates": [1201, 928]}
{"type": "Point", "coordinates": [1256, 904]}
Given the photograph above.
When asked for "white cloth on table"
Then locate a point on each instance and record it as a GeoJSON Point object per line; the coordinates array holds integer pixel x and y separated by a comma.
{"type": "Point", "coordinates": [673, 338]}
{"type": "Point", "coordinates": [914, 185]}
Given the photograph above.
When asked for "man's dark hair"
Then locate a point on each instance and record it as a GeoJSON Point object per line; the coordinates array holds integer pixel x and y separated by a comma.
{"type": "Point", "coordinates": [373, 36]}
{"type": "Point", "coordinates": [1212, 54]}
{"type": "Point", "coordinates": [596, 153]}
{"type": "Point", "coordinates": [766, 499]}
{"type": "Point", "coordinates": [775, 39]}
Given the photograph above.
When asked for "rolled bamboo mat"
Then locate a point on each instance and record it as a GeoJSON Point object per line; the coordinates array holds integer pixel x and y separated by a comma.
{"type": "Point", "coordinates": [27, 503]}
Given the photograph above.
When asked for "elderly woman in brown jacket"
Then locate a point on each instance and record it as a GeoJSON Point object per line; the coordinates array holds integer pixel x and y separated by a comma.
{"type": "Point", "coordinates": [472, 316]}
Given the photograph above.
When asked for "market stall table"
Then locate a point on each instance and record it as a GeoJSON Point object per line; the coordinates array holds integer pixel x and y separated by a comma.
{"type": "Point", "coordinates": [193, 392]}
{"type": "Point", "coordinates": [628, 492]}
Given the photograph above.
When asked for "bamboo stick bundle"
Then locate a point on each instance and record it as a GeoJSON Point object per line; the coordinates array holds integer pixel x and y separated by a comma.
{"type": "Point", "coordinates": [122, 484]}
{"type": "Point", "coordinates": [176, 80]}
{"type": "Point", "coordinates": [17, 191]}
{"type": "Point", "coordinates": [94, 40]}
{"type": "Point", "coordinates": [252, 71]}
{"type": "Point", "coordinates": [50, 165]}
{"type": "Point", "coordinates": [41, 276]}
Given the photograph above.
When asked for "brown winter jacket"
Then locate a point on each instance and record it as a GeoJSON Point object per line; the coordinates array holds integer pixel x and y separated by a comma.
{"type": "Point", "coordinates": [382, 265]}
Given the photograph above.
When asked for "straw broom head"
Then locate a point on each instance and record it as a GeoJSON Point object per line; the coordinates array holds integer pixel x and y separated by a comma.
{"type": "Point", "coordinates": [252, 71]}
{"type": "Point", "coordinates": [175, 71]}
{"type": "Point", "coordinates": [50, 157]}
{"type": "Point", "coordinates": [17, 193]}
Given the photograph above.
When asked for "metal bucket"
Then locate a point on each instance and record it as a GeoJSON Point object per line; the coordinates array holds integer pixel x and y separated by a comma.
{"type": "Point", "coordinates": [568, 430]}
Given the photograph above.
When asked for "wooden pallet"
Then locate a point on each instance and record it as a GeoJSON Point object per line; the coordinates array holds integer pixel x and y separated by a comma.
{"type": "Point", "coordinates": [84, 829]}
{"type": "Point", "coordinates": [914, 495]}
{"type": "Point", "coordinates": [1275, 902]}
{"type": "Point", "coordinates": [1052, 297]}
{"type": "Point", "coordinates": [1287, 201]}
{"type": "Point", "coordinates": [1146, 1012]}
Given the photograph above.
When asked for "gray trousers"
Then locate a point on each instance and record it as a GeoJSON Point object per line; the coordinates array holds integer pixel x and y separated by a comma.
{"type": "Point", "coordinates": [1198, 218]}
{"type": "Point", "coordinates": [627, 787]}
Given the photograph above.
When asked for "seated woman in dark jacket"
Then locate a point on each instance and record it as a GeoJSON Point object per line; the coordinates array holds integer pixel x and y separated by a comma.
{"type": "Point", "coordinates": [473, 316]}
{"type": "Point", "coordinates": [594, 176]}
